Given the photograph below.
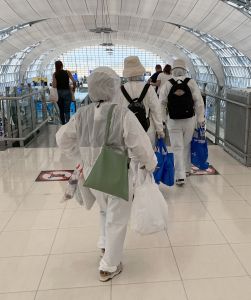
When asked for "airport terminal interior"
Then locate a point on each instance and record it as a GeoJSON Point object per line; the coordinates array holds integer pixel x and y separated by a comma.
{"type": "Point", "coordinates": [48, 247]}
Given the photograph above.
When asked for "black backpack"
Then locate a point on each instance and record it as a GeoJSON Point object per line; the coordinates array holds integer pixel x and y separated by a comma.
{"type": "Point", "coordinates": [180, 101]}
{"type": "Point", "coordinates": [137, 106]}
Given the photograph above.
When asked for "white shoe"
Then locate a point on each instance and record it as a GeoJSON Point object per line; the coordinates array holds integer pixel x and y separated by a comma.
{"type": "Point", "coordinates": [105, 276]}
{"type": "Point", "coordinates": [180, 182]}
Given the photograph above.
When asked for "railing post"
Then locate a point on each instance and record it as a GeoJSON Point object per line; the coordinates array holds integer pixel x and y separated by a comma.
{"type": "Point", "coordinates": [19, 122]}
{"type": "Point", "coordinates": [217, 120]}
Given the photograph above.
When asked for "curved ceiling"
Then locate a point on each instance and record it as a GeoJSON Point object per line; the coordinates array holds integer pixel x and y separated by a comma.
{"type": "Point", "coordinates": [144, 21]}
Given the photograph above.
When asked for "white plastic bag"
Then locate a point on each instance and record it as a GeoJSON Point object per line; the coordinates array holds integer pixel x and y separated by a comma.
{"type": "Point", "coordinates": [75, 187]}
{"type": "Point", "coordinates": [149, 208]}
{"type": "Point", "coordinates": [53, 95]}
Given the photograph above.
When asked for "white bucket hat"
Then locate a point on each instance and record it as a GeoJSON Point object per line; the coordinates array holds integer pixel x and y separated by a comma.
{"type": "Point", "coordinates": [179, 63]}
{"type": "Point", "coordinates": [133, 67]}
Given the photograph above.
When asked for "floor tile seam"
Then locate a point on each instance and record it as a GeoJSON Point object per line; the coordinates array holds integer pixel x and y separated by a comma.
{"type": "Point", "coordinates": [39, 209]}
{"type": "Point", "coordinates": [46, 263]}
{"type": "Point", "coordinates": [232, 250]}
{"type": "Point", "coordinates": [177, 266]}
{"type": "Point", "coordinates": [9, 219]}
{"type": "Point", "coordinates": [176, 280]}
{"type": "Point", "coordinates": [101, 284]}
{"type": "Point", "coordinates": [23, 256]}
{"type": "Point", "coordinates": [198, 245]}
{"type": "Point", "coordinates": [218, 219]}
{"type": "Point", "coordinates": [17, 292]}
{"type": "Point", "coordinates": [97, 251]}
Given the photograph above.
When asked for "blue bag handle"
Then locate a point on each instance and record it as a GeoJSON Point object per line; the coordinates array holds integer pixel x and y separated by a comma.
{"type": "Point", "coordinates": [160, 145]}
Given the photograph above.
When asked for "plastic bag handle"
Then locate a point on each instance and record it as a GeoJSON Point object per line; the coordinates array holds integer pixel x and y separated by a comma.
{"type": "Point", "coordinates": [201, 130]}
{"type": "Point", "coordinates": [160, 144]}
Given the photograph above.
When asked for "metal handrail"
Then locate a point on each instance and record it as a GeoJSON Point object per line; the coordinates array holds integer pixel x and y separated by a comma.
{"type": "Point", "coordinates": [228, 100]}
{"type": "Point", "coordinates": [22, 129]}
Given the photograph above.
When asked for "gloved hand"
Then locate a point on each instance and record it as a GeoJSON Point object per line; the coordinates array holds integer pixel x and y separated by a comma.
{"type": "Point", "coordinates": [161, 135]}
{"type": "Point", "coordinates": [201, 124]}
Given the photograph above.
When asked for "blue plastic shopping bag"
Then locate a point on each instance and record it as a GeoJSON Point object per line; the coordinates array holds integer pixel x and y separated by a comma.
{"type": "Point", "coordinates": [199, 150]}
{"type": "Point", "coordinates": [165, 169]}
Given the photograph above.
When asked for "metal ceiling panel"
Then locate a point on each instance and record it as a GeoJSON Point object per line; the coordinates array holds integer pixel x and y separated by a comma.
{"type": "Point", "coordinates": [164, 9]}
{"type": "Point", "coordinates": [181, 11]}
{"type": "Point", "coordinates": [134, 23]}
{"type": "Point", "coordinates": [60, 7]}
{"type": "Point", "coordinates": [43, 8]}
{"type": "Point", "coordinates": [124, 23]}
{"type": "Point", "coordinates": [78, 7]}
{"type": "Point", "coordinates": [129, 8]}
{"type": "Point", "coordinates": [145, 25]}
{"type": "Point", "coordinates": [147, 8]}
{"type": "Point", "coordinates": [229, 24]}
{"type": "Point", "coordinates": [78, 23]}
{"type": "Point", "coordinates": [24, 10]}
{"type": "Point", "coordinates": [156, 28]}
{"type": "Point", "coordinates": [8, 15]}
{"type": "Point", "coordinates": [201, 9]}
{"type": "Point", "coordinates": [67, 24]}
{"type": "Point", "coordinates": [218, 14]}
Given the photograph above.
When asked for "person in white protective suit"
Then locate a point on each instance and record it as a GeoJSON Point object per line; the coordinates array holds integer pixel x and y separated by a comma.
{"type": "Point", "coordinates": [83, 137]}
{"type": "Point", "coordinates": [134, 72]}
{"type": "Point", "coordinates": [181, 130]}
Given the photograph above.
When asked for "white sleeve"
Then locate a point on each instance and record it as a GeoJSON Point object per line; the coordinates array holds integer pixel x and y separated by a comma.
{"type": "Point", "coordinates": [198, 100]}
{"type": "Point", "coordinates": [155, 109]}
{"type": "Point", "coordinates": [138, 142]}
{"type": "Point", "coordinates": [66, 138]}
{"type": "Point", "coordinates": [164, 91]}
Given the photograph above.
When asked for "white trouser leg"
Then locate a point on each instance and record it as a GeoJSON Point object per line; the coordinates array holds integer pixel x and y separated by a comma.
{"type": "Point", "coordinates": [102, 200]}
{"type": "Point", "coordinates": [188, 129]}
{"type": "Point", "coordinates": [177, 144]}
{"type": "Point", "coordinates": [117, 216]}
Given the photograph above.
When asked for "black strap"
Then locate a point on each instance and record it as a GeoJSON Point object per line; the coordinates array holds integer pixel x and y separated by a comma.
{"type": "Point", "coordinates": [143, 93]}
{"type": "Point", "coordinates": [124, 91]}
{"type": "Point", "coordinates": [186, 80]}
{"type": "Point", "coordinates": [173, 82]}
{"type": "Point", "coordinates": [141, 97]}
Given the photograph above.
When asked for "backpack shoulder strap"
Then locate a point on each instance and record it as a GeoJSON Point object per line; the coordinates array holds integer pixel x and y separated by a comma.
{"type": "Point", "coordinates": [143, 93]}
{"type": "Point", "coordinates": [127, 96]}
{"type": "Point", "coordinates": [186, 80]}
{"type": "Point", "coordinates": [173, 82]}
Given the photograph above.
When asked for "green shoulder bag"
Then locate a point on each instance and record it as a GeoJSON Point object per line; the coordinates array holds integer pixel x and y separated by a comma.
{"type": "Point", "coordinates": [110, 171]}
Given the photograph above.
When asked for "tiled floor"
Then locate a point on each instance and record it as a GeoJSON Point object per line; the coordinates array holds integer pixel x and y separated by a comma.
{"type": "Point", "coordinates": [48, 248]}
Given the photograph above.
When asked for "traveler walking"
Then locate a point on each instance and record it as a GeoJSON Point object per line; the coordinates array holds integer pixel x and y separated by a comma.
{"type": "Point", "coordinates": [140, 92]}
{"type": "Point", "coordinates": [182, 97]}
{"type": "Point", "coordinates": [163, 77]}
{"type": "Point", "coordinates": [84, 137]}
{"type": "Point", "coordinates": [65, 93]}
{"type": "Point", "coordinates": [153, 79]}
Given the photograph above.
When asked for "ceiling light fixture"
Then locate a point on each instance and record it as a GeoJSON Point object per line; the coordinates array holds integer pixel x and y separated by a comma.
{"type": "Point", "coordinates": [102, 18]}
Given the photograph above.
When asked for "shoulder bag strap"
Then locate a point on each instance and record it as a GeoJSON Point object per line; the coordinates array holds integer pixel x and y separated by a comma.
{"type": "Point", "coordinates": [108, 123]}
{"type": "Point", "coordinates": [127, 96]}
{"type": "Point", "coordinates": [173, 82]}
{"type": "Point", "coordinates": [143, 93]}
{"type": "Point", "coordinates": [186, 80]}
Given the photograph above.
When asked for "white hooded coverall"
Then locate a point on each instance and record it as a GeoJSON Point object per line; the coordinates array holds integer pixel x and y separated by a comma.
{"type": "Point", "coordinates": [83, 137]}
{"type": "Point", "coordinates": [181, 131]}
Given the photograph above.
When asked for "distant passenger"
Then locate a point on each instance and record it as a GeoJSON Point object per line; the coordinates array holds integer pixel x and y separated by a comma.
{"type": "Point", "coordinates": [153, 79]}
{"type": "Point", "coordinates": [83, 138]}
{"type": "Point", "coordinates": [134, 72]}
{"type": "Point", "coordinates": [61, 81]}
{"type": "Point", "coordinates": [182, 97]}
{"type": "Point", "coordinates": [163, 77]}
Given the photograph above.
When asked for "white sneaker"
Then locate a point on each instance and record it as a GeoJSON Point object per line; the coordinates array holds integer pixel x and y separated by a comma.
{"type": "Point", "coordinates": [105, 276]}
{"type": "Point", "coordinates": [180, 181]}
